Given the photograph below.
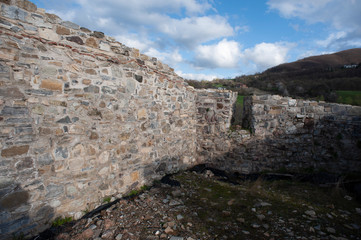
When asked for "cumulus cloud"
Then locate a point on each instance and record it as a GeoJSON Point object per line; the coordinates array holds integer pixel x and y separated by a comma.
{"type": "Point", "coordinates": [342, 16]}
{"type": "Point", "coordinates": [171, 58]}
{"type": "Point", "coordinates": [265, 55]}
{"type": "Point", "coordinates": [186, 22]}
{"type": "Point", "coordinates": [136, 41]}
{"type": "Point", "coordinates": [224, 54]}
{"type": "Point", "coordinates": [198, 76]}
{"type": "Point", "coordinates": [191, 31]}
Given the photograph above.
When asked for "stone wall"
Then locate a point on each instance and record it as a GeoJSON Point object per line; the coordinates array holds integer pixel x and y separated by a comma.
{"type": "Point", "coordinates": [214, 114]}
{"type": "Point", "coordinates": [295, 134]}
{"type": "Point", "coordinates": [82, 117]}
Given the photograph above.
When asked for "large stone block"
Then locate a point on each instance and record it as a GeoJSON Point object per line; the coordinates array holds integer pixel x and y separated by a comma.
{"type": "Point", "coordinates": [14, 200]}
{"type": "Point", "coordinates": [45, 159]}
{"type": "Point", "coordinates": [75, 39]}
{"type": "Point", "coordinates": [48, 34]}
{"type": "Point", "coordinates": [12, 92]}
{"type": "Point", "coordinates": [62, 30]}
{"type": "Point", "coordinates": [14, 151]}
{"type": "Point", "coordinates": [14, 111]}
{"type": "Point", "coordinates": [27, 5]}
{"type": "Point", "coordinates": [92, 42]}
{"type": "Point", "coordinates": [54, 190]}
{"type": "Point", "coordinates": [51, 85]}
{"type": "Point", "coordinates": [14, 12]}
{"type": "Point", "coordinates": [70, 25]}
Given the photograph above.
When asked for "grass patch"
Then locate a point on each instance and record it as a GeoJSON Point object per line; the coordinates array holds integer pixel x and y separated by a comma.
{"type": "Point", "coordinates": [107, 200]}
{"type": "Point", "coordinates": [136, 192]}
{"type": "Point", "coordinates": [61, 221]}
{"type": "Point", "coordinates": [240, 100]}
{"type": "Point", "coordinates": [349, 97]}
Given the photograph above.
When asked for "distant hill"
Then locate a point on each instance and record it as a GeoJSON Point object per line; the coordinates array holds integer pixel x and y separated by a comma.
{"type": "Point", "coordinates": [327, 61]}
{"type": "Point", "coordinates": [331, 77]}
{"type": "Point", "coordinates": [319, 77]}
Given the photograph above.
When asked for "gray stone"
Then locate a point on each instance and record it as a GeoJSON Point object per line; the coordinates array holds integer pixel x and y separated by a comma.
{"type": "Point", "coordinates": [70, 25]}
{"type": "Point", "coordinates": [15, 29]}
{"type": "Point", "coordinates": [176, 238]}
{"type": "Point", "coordinates": [138, 78]}
{"type": "Point", "coordinates": [61, 153]}
{"type": "Point", "coordinates": [38, 21]}
{"type": "Point", "coordinates": [4, 22]}
{"type": "Point", "coordinates": [29, 27]}
{"type": "Point", "coordinates": [39, 92]}
{"type": "Point", "coordinates": [12, 226]}
{"type": "Point", "coordinates": [18, 120]}
{"type": "Point", "coordinates": [108, 90]}
{"type": "Point", "coordinates": [130, 86]}
{"type": "Point", "coordinates": [14, 111]}
{"type": "Point", "coordinates": [116, 72]}
{"type": "Point", "coordinates": [25, 163]}
{"type": "Point", "coordinates": [45, 159]}
{"type": "Point", "coordinates": [46, 212]}
{"type": "Point", "coordinates": [12, 92]}
{"type": "Point", "coordinates": [54, 190]}
{"type": "Point", "coordinates": [23, 129]}
{"type": "Point", "coordinates": [14, 12]}
{"type": "Point", "coordinates": [91, 89]}
{"type": "Point", "coordinates": [65, 120]}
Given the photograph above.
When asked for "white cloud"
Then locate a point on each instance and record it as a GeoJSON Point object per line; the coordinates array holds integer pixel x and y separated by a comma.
{"type": "Point", "coordinates": [191, 31]}
{"type": "Point", "coordinates": [303, 9]}
{"type": "Point", "coordinates": [198, 76]}
{"type": "Point", "coordinates": [135, 41]}
{"type": "Point", "coordinates": [186, 22]}
{"type": "Point", "coordinates": [342, 16]}
{"type": "Point", "coordinates": [224, 54]}
{"type": "Point", "coordinates": [331, 38]}
{"type": "Point", "coordinates": [171, 58]}
{"type": "Point", "coordinates": [66, 15]}
{"type": "Point", "coordinates": [265, 55]}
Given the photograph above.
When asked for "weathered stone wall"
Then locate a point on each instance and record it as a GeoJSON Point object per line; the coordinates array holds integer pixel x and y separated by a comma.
{"type": "Point", "coordinates": [81, 117]}
{"type": "Point", "coordinates": [214, 113]}
{"type": "Point", "coordinates": [295, 134]}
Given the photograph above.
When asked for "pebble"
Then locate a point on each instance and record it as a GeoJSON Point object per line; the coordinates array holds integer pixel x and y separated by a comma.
{"type": "Point", "coordinates": [177, 193]}
{"type": "Point", "coordinates": [176, 238]}
{"type": "Point", "coordinates": [255, 225]}
{"type": "Point", "coordinates": [261, 217]}
{"type": "Point", "coordinates": [179, 217]}
{"type": "Point", "coordinates": [241, 220]}
{"type": "Point", "coordinates": [107, 234]}
{"type": "Point", "coordinates": [119, 237]}
{"type": "Point", "coordinates": [358, 210]}
{"type": "Point", "coordinates": [348, 198]}
{"type": "Point", "coordinates": [168, 230]}
{"type": "Point", "coordinates": [355, 226]}
{"type": "Point", "coordinates": [245, 232]}
{"type": "Point", "coordinates": [311, 213]}
{"type": "Point", "coordinates": [330, 230]}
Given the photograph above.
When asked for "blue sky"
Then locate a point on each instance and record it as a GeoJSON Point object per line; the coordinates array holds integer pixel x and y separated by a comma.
{"type": "Point", "coordinates": [206, 39]}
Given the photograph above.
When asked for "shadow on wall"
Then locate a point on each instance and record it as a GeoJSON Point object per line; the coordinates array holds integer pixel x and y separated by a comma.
{"type": "Point", "coordinates": [16, 221]}
{"type": "Point", "coordinates": [294, 135]}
